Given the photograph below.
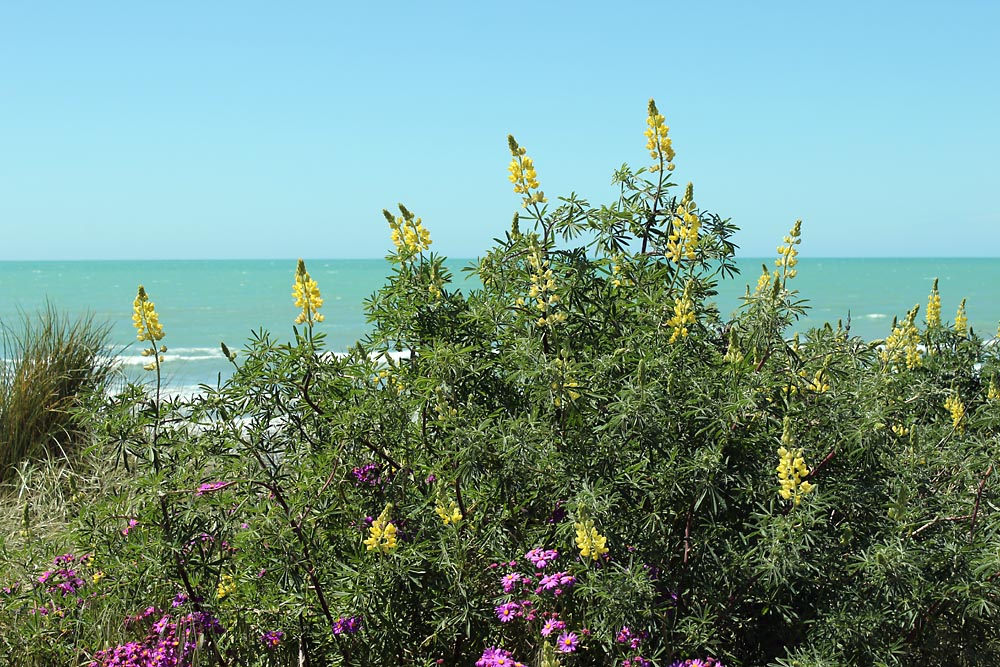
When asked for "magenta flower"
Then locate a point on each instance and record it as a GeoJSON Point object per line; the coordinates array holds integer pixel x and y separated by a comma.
{"type": "Point", "coordinates": [567, 642]}
{"type": "Point", "coordinates": [552, 625]}
{"type": "Point", "coordinates": [208, 487]}
{"type": "Point", "coordinates": [540, 558]}
{"type": "Point", "coordinates": [508, 611]}
{"type": "Point", "coordinates": [510, 582]}
{"type": "Point", "coordinates": [273, 638]}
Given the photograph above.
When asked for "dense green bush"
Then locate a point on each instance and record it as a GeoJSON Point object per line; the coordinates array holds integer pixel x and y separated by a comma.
{"type": "Point", "coordinates": [49, 362]}
{"type": "Point", "coordinates": [709, 488]}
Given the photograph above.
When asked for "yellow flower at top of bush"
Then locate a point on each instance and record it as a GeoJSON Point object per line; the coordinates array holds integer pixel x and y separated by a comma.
{"type": "Point", "coordinates": [144, 317]}
{"type": "Point", "coordinates": [307, 296]}
{"type": "Point", "coordinates": [523, 174]}
{"type": "Point", "coordinates": [683, 239]}
{"type": "Point", "coordinates": [934, 307]}
{"type": "Point", "coordinates": [148, 328]}
{"type": "Point", "coordinates": [961, 321]}
{"type": "Point", "coordinates": [382, 534]}
{"type": "Point", "coordinates": [408, 232]}
{"type": "Point", "coordinates": [658, 142]}
{"type": "Point", "coordinates": [787, 253]}
{"type": "Point", "coordinates": [902, 343]}
{"type": "Point", "coordinates": [590, 542]}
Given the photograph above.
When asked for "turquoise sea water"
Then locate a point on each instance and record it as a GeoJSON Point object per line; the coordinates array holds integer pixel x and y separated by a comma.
{"type": "Point", "coordinates": [202, 303]}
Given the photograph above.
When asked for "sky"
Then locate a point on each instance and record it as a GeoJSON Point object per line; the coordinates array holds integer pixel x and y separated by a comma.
{"type": "Point", "coordinates": [135, 130]}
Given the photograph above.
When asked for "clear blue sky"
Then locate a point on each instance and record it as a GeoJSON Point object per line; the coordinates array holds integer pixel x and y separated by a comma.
{"type": "Point", "coordinates": [254, 130]}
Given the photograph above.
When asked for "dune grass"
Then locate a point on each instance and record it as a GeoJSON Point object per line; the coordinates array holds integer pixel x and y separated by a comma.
{"type": "Point", "coordinates": [50, 361]}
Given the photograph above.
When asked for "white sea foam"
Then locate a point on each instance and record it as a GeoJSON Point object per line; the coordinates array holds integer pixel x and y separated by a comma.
{"type": "Point", "coordinates": [174, 354]}
{"type": "Point", "coordinates": [876, 316]}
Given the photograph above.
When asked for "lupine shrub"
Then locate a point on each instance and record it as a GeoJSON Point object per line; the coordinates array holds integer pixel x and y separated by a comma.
{"type": "Point", "coordinates": [582, 463]}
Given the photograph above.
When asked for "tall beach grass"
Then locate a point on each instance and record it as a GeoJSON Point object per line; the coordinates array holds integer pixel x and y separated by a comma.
{"type": "Point", "coordinates": [50, 361]}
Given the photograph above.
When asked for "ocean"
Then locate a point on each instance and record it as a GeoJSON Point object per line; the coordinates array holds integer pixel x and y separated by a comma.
{"type": "Point", "coordinates": [202, 303]}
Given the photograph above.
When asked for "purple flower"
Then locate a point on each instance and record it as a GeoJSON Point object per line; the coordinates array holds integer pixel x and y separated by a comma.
{"type": "Point", "coordinates": [161, 625]}
{"type": "Point", "coordinates": [552, 625]}
{"type": "Point", "coordinates": [555, 580]}
{"type": "Point", "coordinates": [132, 523]}
{"type": "Point", "coordinates": [273, 638]}
{"type": "Point", "coordinates": [367, 474]}
{"type": "Point", "coordinates": [347, 625]}
{"type": "Point", "coordinates": [508, 611]}
{"type": "Point", "coordinates": [209, 487]}
{"type": "Point", "coordinates": [510, 582]}
{"type": "Point", "coordinates": [567, 642]}
{"type": "Point", "coordinates": [540, 558]}
{"type": "Point", "coordinates": [496, 657]}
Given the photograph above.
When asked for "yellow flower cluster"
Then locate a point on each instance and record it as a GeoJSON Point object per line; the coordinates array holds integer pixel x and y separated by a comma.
{"type": "Point", "coordinates": [618, 278]}
{"type": "Point", "coordinates": [900, 430]}
{"type": "Point", "coordinates": [147, 324]}
{"type": "Point", "coordinates": [658, 143]}
{"type": "Point", "coordinates": [226, 587]}
{"type": "Point", "coordinates": [684, 238]}
{"type": "Point", "coordinates": [523, 174]}
{"type": "Point", "coordinates": [307, 296]}
{"type": "Point", "coordinates": [682, 317]}
{"type": "Point", "coordinates": [97, 576]}
{"type": "Point", "coordinates": [961, 321]}
{"type": "Point", "coordinates": [792, 469]}
{"type": "Point", "coordinates": [763, 282]}
{"type": "Point", "coordinates": [408, 232]}
{"type": "Point", "coordinates": [144, 317]}
{"type": "Point", "coordinates": [382, 534]}
{"type": "Point", "coordinates": [819, 382]}
{"type": "Point", "coordinates": [543, 290]}
{"type": "Point", "coordinates": [934, 307]}
{"type": "Point", "coordinates": [390, 379]}
{"type": "Point", "coordinates": [956, 407]}
{"type": "Point", "coordinates": [591, 543]}
{"type": "Point", "coordinates": [993, 392]}
{"type": "Point", "coordinates": [565, 385]}
{"type": "Point", "coordinates": [450, 514]}
{"type": "Point", "coordinates": [787, 253]}
{"type": "Point", "coordinates": [902, 343]}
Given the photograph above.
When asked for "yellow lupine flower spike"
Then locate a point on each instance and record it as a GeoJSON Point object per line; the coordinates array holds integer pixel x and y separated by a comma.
{"type": "Point", "coordinates": [450, 514]}
{"type": "Point", "coordinates": [787, 253]}
{"type": "Point", "coordinates": [382, 534]}
{"type": "Point", "coordinates": [523, 174]}
{"type": "Point", "coordinates": [148, 328]}
{"type": "Point", "coordinates": [683, 316]}
{"type": "Point", "coordinates": [590, 542]}
{"type": "Point", "coordinates": [144, 317]}
{"type": "Point", "coordinates": [954, 405]}
{"type": "Point", "coordinates": [658, 143]}
{"type": "Point", "coordinates": [307, 296]}
{"type": "Point", "coordinates": [934, 307]}
{"type": "Point", "coordinates": [961, 321]}
{"type": "Point", "coordinates": [902, 343]}
{"type": "Point", "coordinates": [408, 232]}
{"type": "Point", "coordinates": [791, 469]}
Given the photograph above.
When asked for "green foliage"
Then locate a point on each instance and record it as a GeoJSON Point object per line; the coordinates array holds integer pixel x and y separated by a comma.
{"type": "Point", "coordinates": [591, 383]}
{"type": "Point", "coordinates": [49, 363]}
